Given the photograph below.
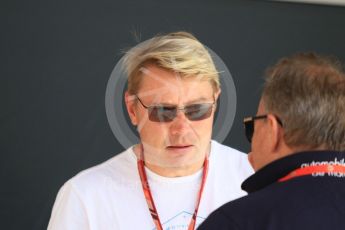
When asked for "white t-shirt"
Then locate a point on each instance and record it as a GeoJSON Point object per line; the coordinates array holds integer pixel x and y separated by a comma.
{"type": "Point", "coordinates": [110, 195]}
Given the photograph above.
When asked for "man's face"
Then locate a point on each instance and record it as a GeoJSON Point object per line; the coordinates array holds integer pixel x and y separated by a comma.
{"type": "Point", "coordinates": [180, 142]}
{"type": "Point", "coordinates": [260, 151]}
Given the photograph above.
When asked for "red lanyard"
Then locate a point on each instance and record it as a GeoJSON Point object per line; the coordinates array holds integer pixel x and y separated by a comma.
{"type": "Point", "coordinates": [316, 170]}
{"type": "Point", "coordinates": [149, 199]}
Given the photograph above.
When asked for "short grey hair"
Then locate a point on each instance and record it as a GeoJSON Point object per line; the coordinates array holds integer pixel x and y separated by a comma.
{"type": "Point", "coordinates": [307, 92]}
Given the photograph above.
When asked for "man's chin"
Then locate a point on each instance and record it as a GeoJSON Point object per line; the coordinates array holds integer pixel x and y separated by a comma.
{"type": "Point", "coordinates": [180, 150]}
{"type": "Point", "coordinates": [176, 157]}
{"type": "Point", "coordinates": [184, 158]}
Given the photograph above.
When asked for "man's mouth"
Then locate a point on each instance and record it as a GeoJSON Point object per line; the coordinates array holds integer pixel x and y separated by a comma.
{"type": "Point", "coordinates": [179, 146]}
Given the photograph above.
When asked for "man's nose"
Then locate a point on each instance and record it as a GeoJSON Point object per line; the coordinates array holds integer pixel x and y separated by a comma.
{"type": "Point", "coordinates": [180, 123]}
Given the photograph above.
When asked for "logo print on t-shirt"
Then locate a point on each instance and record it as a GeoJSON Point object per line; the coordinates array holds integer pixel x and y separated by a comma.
{"type": "Point", "coordinates": [181, 221]}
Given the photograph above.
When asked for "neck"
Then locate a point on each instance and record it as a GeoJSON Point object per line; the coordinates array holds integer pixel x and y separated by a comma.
{"type": "Point", "coordinates": [178, 171]}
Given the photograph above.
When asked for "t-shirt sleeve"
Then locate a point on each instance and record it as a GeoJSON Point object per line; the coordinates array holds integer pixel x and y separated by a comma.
{"type": "Point", "coordinates": [69, 211]}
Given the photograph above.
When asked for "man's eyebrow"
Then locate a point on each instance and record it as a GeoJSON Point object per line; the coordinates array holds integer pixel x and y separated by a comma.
{"type": "Point", "coordinates": [200, 99]}
{"type": "Point", "coordinates": [197, 100]}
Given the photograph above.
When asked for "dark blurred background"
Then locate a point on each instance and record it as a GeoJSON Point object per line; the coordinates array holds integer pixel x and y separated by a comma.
{"type": "Point", "coordinates": [57, 56]}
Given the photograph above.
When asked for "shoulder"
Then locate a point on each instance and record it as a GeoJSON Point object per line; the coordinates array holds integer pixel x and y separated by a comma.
{"type": "Point", "coordinates": [118, 169]}
{"type": "Point", "coordinates": [220, 221]}
{"type": "Point", "coordinates": [226, 151]}
{"type": "Point", "coordinates": [258, 206]}
{"type": "Point", "coordinates": [235, 214]}
{"type": "Point", "coordinates": [230, 158]}
{"type": "Point", "coordinates": [280, 205]}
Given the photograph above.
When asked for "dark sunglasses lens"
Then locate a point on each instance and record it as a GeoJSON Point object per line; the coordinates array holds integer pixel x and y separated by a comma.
{"type": "Point", "coordinates": [249, 129]}
{"type": "Point", "coordinates": [162, 114]}
{"type": "Point", "coordinates": [198, 112]}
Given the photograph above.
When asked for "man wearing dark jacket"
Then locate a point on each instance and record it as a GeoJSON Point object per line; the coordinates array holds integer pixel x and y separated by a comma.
{"type": "Point", "coordinates": [298, 151]}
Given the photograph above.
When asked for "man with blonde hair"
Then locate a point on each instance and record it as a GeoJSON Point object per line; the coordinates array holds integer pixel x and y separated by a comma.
{"type": "Point", "coordinates": [176, 176]}
{"type": "Point", "coordinates": [298, 151]}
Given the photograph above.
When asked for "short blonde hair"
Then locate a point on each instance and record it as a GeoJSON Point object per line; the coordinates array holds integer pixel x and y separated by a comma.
{"type": "Point", "coordinates": [179, 52]}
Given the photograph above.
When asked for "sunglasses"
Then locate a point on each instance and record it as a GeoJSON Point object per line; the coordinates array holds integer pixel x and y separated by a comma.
{"type": "Point", "coordinates": [249, 125]}
{"type": "Point", "coordinates": [194, 112]}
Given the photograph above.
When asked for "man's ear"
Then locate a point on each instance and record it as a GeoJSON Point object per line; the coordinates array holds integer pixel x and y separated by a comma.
{"type": "Point", "coordinates": [275, 133]}
{"type": "Point", "coordinates": [130, 105]}
{"type": "Point", "coordinates": [217, 94]}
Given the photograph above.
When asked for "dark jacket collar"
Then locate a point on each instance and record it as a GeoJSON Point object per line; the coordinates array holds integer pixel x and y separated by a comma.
{"type": "Point", "coordinates": [280, 168]}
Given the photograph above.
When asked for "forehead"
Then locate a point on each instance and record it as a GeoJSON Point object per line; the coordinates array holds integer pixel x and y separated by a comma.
{"type": "Point", "coordinates": [157, 82]}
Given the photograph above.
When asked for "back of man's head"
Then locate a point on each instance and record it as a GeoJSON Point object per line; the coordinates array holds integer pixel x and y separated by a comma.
{"type": "Point", "coordinates": [307, 92]}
